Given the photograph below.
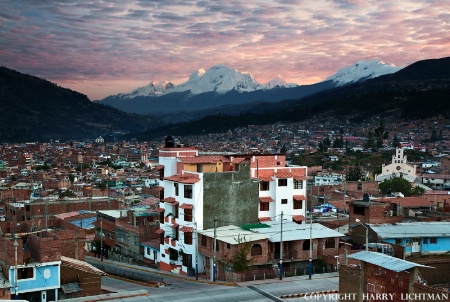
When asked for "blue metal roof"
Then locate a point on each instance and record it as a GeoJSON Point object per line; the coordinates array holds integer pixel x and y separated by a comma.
{"type": "Point", "coordinates": [385, 261]}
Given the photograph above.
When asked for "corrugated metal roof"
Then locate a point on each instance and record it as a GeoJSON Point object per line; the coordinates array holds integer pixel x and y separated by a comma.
{"type": "Point", "coordinates": [412, 229]}
{"type": "Point", "coordinates": [294, 231]}
{"type": "Point", "coordinates": [385, 261]}
{"type": "Point", "coordinates": [232, 234]}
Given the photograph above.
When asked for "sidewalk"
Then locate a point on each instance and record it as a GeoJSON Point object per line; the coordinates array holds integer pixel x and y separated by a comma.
{"type": "Point", "coordinates": [94, 260]}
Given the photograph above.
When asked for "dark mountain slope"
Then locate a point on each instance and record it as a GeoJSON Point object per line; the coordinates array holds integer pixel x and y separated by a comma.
{"type": "Point", "coordinates": [35, 109]}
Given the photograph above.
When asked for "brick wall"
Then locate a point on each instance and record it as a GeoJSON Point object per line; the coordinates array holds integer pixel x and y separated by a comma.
{"type": "Point", "coordinates": [349, 280]}
{"type": "Point", "coordinates": [44, 249]}
{"type": "Point", "coordinates": [89, 283]}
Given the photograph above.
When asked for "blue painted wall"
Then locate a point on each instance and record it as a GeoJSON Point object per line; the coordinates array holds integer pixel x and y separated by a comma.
{"type": "Point", "coordinates": [46, 276]}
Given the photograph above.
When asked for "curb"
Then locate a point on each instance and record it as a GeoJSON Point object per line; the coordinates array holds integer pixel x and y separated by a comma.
{"type": "Point", "coordinates": [324, 292]}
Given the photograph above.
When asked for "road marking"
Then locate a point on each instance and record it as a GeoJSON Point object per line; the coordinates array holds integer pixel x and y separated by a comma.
{"type": "Point", "coordinates": [267, 295]}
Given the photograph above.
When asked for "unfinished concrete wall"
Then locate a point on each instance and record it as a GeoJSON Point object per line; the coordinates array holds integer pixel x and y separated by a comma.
{"type": "Point", "coordinates": [232, 197]}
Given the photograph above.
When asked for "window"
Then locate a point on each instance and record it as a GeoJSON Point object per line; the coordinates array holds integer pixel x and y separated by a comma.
{"type": "Point", "coordinates": [148, 251]}
{"type": "Point", "coordinates": [298, 184]}
{"type": "Point", "coordinates": [256, 250]}
{"type": "Point", "coordinates": [425, 240]}
{"type": "Point", "coordinates": [282, 182]}
{"type": "Point", "coordinates": [298, 204]}
{"type": "Point", "coordinates": [217, 245]}
{"type": "Point", "coordinates": [263, 206]}
{"type": "Point", "coordinates": [359, 186]}
{"type": "Point", "coordinates": [187, 214]}
{"type": "Point", "coordinates": [284, 201]}
{"type": "Point", "coordinates": [187, 260]}
{"type": "Point", "coordinates": [173, 254]}
{"type": "Point", "coordinates": [109, 235]}
{"type": "Point", "coordinates": [204, 240]}
{"type": "Point", "coordinates": [330, 243]}
{"type": "Point", "coordinates": [187, 191]}
{"type": "Point", "coordinates": [228, 246]}
{"type": "Point", "coordinates": [264, 186]}
{"type": "Point", "coordinates": [176, 211]}
{"type": "Point", "coordinates": [305, 245]}
{"type": "Point", "coordinates": [398, 241]}
{"type": "Point", "coordinates": [433, 240]}
{"type": "Point", "coordinates": [188, 238]}
{"type": "Point", "coordinates": [176, 189]}
{"type": "Point", "coordinates": [25, 273]}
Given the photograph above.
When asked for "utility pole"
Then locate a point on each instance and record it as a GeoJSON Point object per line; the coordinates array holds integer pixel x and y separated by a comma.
{"type": "Point", "coordinates": [196, 251]}
{"type": "Point", "coordinates": [310, 245]}
{"type": "Point", "coordinates": [101, 240]}
{"type": "Point", "coordinates": [281, 248]}
{"type": "Point", "coordinates": [16, 286]}
{"type": "Point", "coordinates": [215, 247]}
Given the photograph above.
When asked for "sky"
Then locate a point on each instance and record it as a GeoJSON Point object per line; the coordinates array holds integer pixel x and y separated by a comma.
{"type": "Point", "coordinates": [101, 48]}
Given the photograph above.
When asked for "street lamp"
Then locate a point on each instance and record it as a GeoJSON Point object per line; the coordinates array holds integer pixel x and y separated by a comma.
{"type": "Point", "coordinates": [367, 233]}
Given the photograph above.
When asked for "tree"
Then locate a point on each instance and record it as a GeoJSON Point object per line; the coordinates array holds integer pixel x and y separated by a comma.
{"type": "Point", "coordinates": [399, 184]}
{"type": "Point", "coordinates": [240, 261]}
{"type": "Point", "coordinates": [324, 144]}
{"type": "Point", "coordinates": [338, 142]}
{"type": "Point", "coordinates": [354, 173]}
{"type": "Point", "coordinates": [380, 135]}
{"type": "Point", "coordinates": [396, 141]}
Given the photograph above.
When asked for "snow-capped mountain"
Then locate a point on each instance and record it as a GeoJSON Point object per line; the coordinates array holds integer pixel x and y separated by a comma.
{"type": "Point", "coordinates": [220, 79]}
{"type": "Point", "coordinates": [153, 89]}
{"type": "Point", "coordinates": [362, 70]}
{"type": "Point", "coordinates": [279, 82]}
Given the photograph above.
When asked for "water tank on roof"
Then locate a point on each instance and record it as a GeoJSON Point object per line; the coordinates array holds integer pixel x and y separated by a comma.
{"type": "Point", "coordinates": [366, 197]}
{"type": "Point", "coordinates": [169, 142]}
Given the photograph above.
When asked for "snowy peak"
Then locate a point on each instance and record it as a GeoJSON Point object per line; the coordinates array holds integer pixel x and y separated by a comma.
{"type": "Point", "coordinates": [362, 70]}
{"type": "Point", "coordinates": [220, 79]}
{"type": "Point", "coordinates": [279, 82]}
{"type": "Point", "coordinates": [153, 89]}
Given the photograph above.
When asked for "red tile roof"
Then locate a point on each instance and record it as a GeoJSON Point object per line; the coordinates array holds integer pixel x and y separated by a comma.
{"type": "Point", "coordinates": [265, 175]}
{"type": "Point", "coordinates": [186, 229]}
{"type": "Point", "coordinates": [186, 178]}
{"type": "Point", "coordinates": [174, 226]}
{"type": "Point", "coordinates": [169, 199]}
{"type": "Point", "coordinates": [186, 206]}
{"type": "Point", "coordinates": [159, 210]}
{"type": "Point", "coordinates": [299, 197]}
{"type": "Point", "coordinates": [266, 199]}
{"type": "Point", "coordinates": [263, 219]}
{"type": "Point", "coordinates": [204, 159]}
{"type": "Point", "coordinates": [159, 231]}
{"type": "Point", "coordinates": [298, 218]}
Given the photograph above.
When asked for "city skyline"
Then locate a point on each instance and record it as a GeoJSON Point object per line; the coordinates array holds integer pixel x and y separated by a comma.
{"type": "Point", "coordinates": [103, 48]}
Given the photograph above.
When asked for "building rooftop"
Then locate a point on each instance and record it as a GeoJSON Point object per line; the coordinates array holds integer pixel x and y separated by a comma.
{"type": "Point", "coordinates": [293, 231]}
{"type": "Point", "coordinates": [385, 261]}
{"type": "Point", "coordinates": [412, 229]}
{"type": "Point", "coordinates": [233, 234]}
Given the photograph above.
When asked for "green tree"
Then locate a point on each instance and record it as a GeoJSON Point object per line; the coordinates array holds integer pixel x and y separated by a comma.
{"type": "Point", "coordinates": [324, 144]}
{"type": "Point", "coordinates": [240, 261]}
{"type": "Point", "coordinates": [354, 173]}
{"type": "Point", "coordinates": [396, 141]}
{"type": "Point", "coordinates": [338, 142]}
{"type": "Point", "coordinates": [380, 134]}
{"type": "Point", "coordinates": [399, 184]}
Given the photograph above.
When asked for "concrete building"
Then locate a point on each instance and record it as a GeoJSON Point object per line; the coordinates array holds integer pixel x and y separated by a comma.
{"type": "Point", "coordinates": [398, 167]}
{"type": "Point", "coordinates": [203, 191]}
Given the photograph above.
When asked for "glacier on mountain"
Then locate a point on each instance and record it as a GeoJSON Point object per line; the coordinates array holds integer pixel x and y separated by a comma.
{"type": "Point", "coordinates": [362, 70]}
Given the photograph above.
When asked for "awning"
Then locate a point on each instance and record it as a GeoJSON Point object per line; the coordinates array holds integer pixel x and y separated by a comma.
{"type": "Point", "coordinates": [70, 288]}
{"type": "Point", "coordinates": [300, 178]}
{"type": "Point", "coordinates": [159, 231]}
{"type": "Point", "coordinates": [186, 206]}
{"type": "Point", "coordinates": [298, 218]}
{"type": "Point", "coordinates": [175, 203]}
{"type": "Point", "coordinates": [263, 219]}
{"type": "Point", "coordinates": [174, 226]}
{"type": "Point", "coordinates": [159, 210]}
{"type": "Point", "coordinates": [299, 197]}
{"type": "Point", "coordinates": [186, 229]}
{"type": "Point", "coordinates": [168, 199]}
{"type": "Point", "coordinates": [266, 199]}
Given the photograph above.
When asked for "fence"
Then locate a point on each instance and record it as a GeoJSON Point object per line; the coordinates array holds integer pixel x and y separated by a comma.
{"type": "Point", "coordinates": [133, 275]}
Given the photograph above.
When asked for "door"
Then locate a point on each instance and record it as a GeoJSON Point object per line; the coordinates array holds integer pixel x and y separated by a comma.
{"type": "Point", "coordinates": [416, 247]}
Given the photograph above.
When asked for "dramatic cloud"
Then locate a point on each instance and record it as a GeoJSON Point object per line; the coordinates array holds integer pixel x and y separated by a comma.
{"type": "Point", "coordinates": [104, 47]}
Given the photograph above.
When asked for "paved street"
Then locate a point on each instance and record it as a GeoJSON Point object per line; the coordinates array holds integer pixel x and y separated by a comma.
{"type": "Point", "coordinates": [179, 288]}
